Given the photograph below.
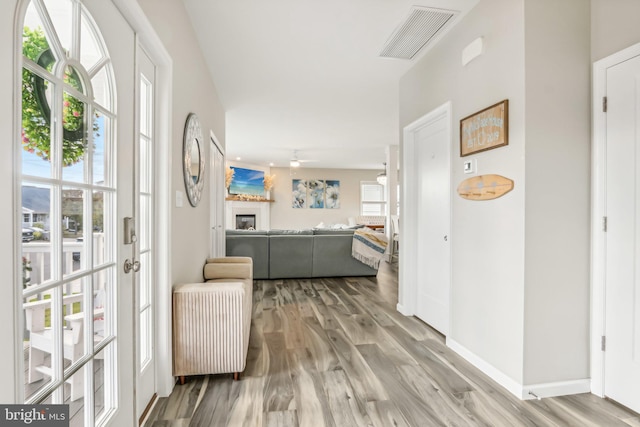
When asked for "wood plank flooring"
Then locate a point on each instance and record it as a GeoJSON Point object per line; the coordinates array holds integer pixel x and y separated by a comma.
{"type": "Point", "coordinates": [335, 352]}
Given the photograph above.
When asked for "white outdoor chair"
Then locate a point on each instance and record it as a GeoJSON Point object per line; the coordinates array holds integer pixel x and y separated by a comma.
{"type": "Point", "coordinates": [41, 338]}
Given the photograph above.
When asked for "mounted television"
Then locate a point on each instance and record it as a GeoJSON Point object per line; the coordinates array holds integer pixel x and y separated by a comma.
{"type": "Point", "coordinates": [247, 181]}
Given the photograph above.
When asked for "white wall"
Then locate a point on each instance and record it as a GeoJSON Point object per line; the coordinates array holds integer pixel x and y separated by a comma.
{"type": "Point", "coordinates": [193, 91]}
{"type": "Point", "coordinates": [487, 238]}
{"type": "Point", "coordinates": [520, 287]}
{"type": "Point", "coordinates": [614, 26]}
{"type": "Point", "coordinates": [283, 216]}
{"type": "Point", "coordinates": [557, 200]}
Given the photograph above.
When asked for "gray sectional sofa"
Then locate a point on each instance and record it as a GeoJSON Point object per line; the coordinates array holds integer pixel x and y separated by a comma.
{"type": "Point", "coordinates": [283, 254]}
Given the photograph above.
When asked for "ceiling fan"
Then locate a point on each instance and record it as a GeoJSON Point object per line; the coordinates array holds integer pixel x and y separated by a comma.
{"type": "Point", "coordinates": [295, 162]}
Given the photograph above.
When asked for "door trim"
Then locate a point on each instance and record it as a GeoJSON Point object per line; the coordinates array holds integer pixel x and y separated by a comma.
{"type": "Point", "coordinates": [598, 211]}
{"type": "Point", "coordinates": [214, 144]}
{"type": "Point", "coordinates": [407, 288]}
{"type": "Point", "coordinates": [151, 43]}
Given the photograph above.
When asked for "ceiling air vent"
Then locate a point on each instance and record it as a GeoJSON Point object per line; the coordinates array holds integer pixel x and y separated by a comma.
{"type": "Point", "coordinates": [419, 28]}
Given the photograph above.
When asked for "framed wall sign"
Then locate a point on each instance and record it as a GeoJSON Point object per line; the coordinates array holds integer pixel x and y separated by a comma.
{"type": "Point", "coordinates": [485, 129]}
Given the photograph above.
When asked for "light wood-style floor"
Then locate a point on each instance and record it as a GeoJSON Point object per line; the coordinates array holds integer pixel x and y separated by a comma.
{"type": "Point", "coordinates": [335, 352]}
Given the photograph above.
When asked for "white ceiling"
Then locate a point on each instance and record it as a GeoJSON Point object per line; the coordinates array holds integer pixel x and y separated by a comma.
{"type": "Point", "coordinates": [305, 75]}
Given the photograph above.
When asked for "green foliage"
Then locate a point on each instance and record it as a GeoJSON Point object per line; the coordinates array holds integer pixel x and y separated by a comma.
{"type": "Point", "coordinates": [26, 268]}
{"type": "Point", "coordinates": [36, 129]}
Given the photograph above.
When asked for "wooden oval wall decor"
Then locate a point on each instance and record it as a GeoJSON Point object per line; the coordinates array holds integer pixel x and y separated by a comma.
{"type": "Point", "coordinates": [485, 187]}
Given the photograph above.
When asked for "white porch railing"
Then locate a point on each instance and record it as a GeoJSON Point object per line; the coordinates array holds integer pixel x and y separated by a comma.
{"type": "Point", "coordinates": [38, 257]}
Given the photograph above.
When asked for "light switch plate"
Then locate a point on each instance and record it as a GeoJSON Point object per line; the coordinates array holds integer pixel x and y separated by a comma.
{"type": "Point", "coordinates": [469, 166]}
{"type": "Point", "coordinates": [179, 199]}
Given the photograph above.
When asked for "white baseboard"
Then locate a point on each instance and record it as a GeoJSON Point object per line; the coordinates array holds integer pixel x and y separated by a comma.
{"type": "Point", "coordinates": [403, 310]}
{"type": "Point", "coordinates": [560, 388]}
{"type": "Point", "coordinates": [498, 376]}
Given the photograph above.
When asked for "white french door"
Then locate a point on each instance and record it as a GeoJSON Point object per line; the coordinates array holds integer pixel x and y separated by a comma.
{"type": "Point", "coordinates": [622, 256]}
{"type": "Point", "coordinates": [145, 155]}
{"type": "Point", "coordinates": [77, 187]}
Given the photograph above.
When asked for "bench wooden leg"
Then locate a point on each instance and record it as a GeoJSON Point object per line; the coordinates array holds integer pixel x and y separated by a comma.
{"type": "Point", "coordinates": [182, 379]}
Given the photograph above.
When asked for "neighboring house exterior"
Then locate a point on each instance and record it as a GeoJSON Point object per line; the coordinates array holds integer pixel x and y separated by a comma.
{"type": "Point", "coordinates": [36, 206]}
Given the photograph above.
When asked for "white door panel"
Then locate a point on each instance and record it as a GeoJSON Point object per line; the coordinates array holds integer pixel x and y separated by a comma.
{"type": "Point", "coordinates": [433, 223]}
{"type": "Point", "coordinates": [622, 288]}
{"type": "Point", "coordinates": [145, 191]}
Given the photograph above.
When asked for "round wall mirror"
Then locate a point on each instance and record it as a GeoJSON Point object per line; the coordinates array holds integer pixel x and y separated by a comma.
{"type": "Point", "coordinates": [193, 159]}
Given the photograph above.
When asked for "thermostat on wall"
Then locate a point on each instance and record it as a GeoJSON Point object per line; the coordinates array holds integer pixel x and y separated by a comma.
{"type": "Point", "coordinates": [469, 166]}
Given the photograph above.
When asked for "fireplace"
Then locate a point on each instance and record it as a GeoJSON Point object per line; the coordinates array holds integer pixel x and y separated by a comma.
{"type": "Point", "coordinates": [236, 210]}
{"type": "Point", "coordinates": [245, 222]}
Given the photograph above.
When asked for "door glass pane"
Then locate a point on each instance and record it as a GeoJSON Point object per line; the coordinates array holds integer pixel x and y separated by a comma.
{"type": "Point", "coordinates": [145, 336]}
{"type": "Point", "coordinates": [102, 88]}
{"type": "Point", "coordinates": [104, 388]}
{"type": "Point", "coordinates": [35, 43]}
{"type": "Point", "coordinates": [36, 235]}
{"type": "Point", "coordinates": [144, 228]}
{"type": "Point", "coordinates": [146, 173]}
{"type": "Point", "coordinates": [97, 228]}
{"type": "Point", "coordinates": [145, 279]}
{"type": "Point", "coordinates": [36, 131]}
{"type": "Point", "coordinates": [74, 142]}
{"type": "Point", "coordinates": [60, 12]}
{"type": "Point", "coordinates": [146, 107]}
{"type": "Point", "coordinates": [90, 53]}
{"type": "Point", "coordinates": [36, 361]}
{"type": "Point", "coordinates": [74, 246]}
{"type": "Point", "coordinates": [98, 148]}
{"type": "Point", "coordinates": [103, 309]}
{"type": "Point", "coordinates": [74, 396]}
{"type": "Point", "coordinates": [98, 385]}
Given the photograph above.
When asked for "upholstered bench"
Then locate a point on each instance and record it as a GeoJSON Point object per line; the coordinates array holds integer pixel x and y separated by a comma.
{"type": "Point", "coordinates": [212, 320]}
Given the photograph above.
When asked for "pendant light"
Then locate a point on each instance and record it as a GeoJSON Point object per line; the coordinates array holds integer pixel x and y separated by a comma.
{"type": "Point", "coordinates": [382, 176]}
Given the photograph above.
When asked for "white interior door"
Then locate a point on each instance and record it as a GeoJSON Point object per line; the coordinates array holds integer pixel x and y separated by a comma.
{"type": "Point", "coordinates": [432, 189]}
{"type": "Point", "coordinates": [216, 182]}
{"type": "Point", "coordinates": [145, 200]}
{"type": "Point", "coordinates": [622, 285]}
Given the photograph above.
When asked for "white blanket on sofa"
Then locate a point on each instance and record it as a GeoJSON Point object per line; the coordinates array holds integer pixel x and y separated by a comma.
{"type": "Point", "coordinates": [368, 246]}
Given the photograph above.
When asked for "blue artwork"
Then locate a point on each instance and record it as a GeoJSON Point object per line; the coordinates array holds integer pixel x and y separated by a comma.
{"type": "Point", "coordinates": [316, 193]}
{"type": "Point", "coordinates": [247, 181]}
{"type": "Point", "coordinates": [298, 193]}
{"type": "Point", "coordinates": [332, 194]}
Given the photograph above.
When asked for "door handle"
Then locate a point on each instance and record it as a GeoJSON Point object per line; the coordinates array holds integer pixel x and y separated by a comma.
{"type": "Point", "coordinates": [131, 265]}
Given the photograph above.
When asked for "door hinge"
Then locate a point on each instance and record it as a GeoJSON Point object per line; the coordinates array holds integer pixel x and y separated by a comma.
{"type": "Point", "coordinates": [604, 104]}
{"type": "Point", "coordinates": [603, 343]}
{"type": "Point", "coordinates": [604, 223]}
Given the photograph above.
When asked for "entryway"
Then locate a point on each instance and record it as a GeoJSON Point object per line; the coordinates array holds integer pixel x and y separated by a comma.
{"type": "Point", "coordinates": [425, 266]}
{"type": "Point", "coordinates": [616, 229]}
{"type": "Point", "coordinates": [92, 191]}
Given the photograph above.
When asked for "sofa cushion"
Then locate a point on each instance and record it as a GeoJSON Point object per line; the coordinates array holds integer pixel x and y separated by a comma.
{"type": "Point", "coordinates": [253, 245]}
{"type": "Point", "coordinates": [290, 256]}
{"type": "Point", "coordinates": [332, 231]}
{"type": "Point", "coordinates": [290, 232]}
{"type": "Point", "coordinates": [246, 232]}
{"type": "Point", "coordinates": [332, 257]}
